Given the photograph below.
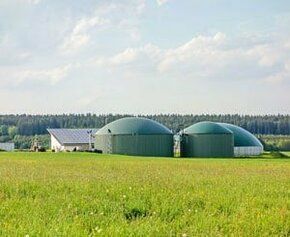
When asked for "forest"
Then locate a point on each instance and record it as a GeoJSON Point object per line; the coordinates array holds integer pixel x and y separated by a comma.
{"type": "Point", "coordinates": [21, 129]}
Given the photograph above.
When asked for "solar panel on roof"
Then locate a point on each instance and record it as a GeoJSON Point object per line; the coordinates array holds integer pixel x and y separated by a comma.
{"type": "Point", "coordinates": [71, 136]}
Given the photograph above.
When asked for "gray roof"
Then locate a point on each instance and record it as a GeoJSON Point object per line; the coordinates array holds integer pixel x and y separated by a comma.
{"type": "Point", "coordinates": [72, 136]}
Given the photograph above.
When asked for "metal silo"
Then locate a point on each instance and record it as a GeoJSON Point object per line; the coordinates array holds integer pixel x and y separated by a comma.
{"type": "Point", "coordinates": [135, 136]}
{"type": "Point", "coordinates": [207, 139]}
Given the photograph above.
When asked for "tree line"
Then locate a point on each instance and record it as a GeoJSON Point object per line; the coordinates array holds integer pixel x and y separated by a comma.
{"type": "Point", "coordinates": [272, 130]}
{"type": "Point", "coordinates": [29, 125]}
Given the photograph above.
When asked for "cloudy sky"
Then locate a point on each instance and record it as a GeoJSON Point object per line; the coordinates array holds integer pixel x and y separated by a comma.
{"type": "Point", "coordinates": [145, 56]}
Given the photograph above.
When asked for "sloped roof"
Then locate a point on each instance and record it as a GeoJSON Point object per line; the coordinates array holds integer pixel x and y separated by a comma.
{"type": "Point", "coordinates": [134, 125]}
{"type": "Point", "coordinates": [72, 136]}
{"type": "Point", "coordinates": [207, 128]}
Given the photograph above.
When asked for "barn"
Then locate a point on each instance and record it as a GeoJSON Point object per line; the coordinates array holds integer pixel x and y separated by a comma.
{"type": "Point", "coordinates": [71, 139]}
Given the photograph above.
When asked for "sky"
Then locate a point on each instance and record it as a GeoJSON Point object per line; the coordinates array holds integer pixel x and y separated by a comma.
{"type": "Point", "coordinates": [145, 56]}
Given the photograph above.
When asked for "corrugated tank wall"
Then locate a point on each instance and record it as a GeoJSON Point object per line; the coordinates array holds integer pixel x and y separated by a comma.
{"type": "Point", "coordinates": [248, 151]}
{"type": "Point", "coordinates": [207, 145]}
{"type": "Point", "coordinates": [139, 145]}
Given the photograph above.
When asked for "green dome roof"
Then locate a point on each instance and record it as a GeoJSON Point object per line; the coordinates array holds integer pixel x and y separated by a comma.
{"type": "Point", "coordinates": [207, 128]}
{"type": "Point", "coordinates": [134, 125]}
{"type": "Point", "coordinates": [241, 136]}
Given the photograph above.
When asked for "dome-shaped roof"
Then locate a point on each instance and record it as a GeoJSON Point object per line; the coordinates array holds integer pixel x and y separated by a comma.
{"type": "Point", "coordinates": [134, 125]}
{"type": "Point", "coordinates": [241, 136]}
{"type": "Point", "coordinates": [207, 128]}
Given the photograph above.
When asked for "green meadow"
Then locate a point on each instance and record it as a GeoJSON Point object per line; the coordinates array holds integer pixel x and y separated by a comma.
{"type": "Point", "coordinates": [82, 194]}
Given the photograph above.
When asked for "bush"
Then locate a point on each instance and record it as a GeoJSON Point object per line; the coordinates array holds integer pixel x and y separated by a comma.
{"type": "Point", "coordinates": [278, 155]}
{"type": "Point", "coordinates": [41, 149]}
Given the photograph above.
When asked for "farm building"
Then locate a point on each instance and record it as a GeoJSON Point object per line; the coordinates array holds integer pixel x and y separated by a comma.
{"type": "Point", "coordinates": [207, 139]}
{"type": "Point", "coordinates": [135, 136]}
{"type": "Point", "coordinates": [245, 143]}
{"type": "Point", "coordinates": [71, 139]}
{"type": "Point", "coordinates": [9, 146]}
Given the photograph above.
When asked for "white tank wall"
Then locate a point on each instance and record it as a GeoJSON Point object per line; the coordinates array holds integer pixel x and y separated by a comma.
{"type": "Point", "coordinates": [7, 146]}
{"type": "Point", "coordinates": [248, 151]}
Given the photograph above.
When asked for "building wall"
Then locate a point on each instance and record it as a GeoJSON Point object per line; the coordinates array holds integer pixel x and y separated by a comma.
{"type": "Point", "coordinates": [55, 145]}
{"type": "Point", "coordinates": [207, 145]}
{"type": "Point", "coordinates": [248, 151]}
{"type": "Point", "coordinates": [138, 145]}
{"type": "Point", "coordinates": [7, 146]}
{"type": "Point", "coordinates": [78, 147]}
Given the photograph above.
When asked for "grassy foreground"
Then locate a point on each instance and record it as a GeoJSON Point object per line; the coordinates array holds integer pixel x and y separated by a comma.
{"type": "Point", "coordinates": [78, 194]}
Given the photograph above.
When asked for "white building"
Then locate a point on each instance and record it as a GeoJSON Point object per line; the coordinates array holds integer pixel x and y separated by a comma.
{"type": "Point", "coordinates": [71, 139]}
{"type": "Point", "coordinates": [7, 146]}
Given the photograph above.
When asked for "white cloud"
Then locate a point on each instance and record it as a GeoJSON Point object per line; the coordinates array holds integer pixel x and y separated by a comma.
{"type": "Point", "coordinates": [50, 76]}
{"type": "Point", "coordinates": [74, 42]}
{"type": "Point", "coordinates": [121, 9]}
{"type": "Point", "coordinates": [80, 35]}
{"type": "Point", "coordinates": [165, 59]}
{"type": "Point", "coordinates": [130, 55]}
{"type": "Point", "coordinates": [34, 2]}
{"type": "Point", "coordinates": [281, 76]}
{"type": "Point", "coordinates": [209, 57]}
{"type": "Point", "coordinates": [84, 25]}
{"type": "Point", "coordinates": [267, 54]}
{"type": "Point", "coordinates": [11, 53]}
{"type": "Point", "coordinates": [140, 7]}
{"type": "Point", "coordinates": [161, 2]}
{"type": "Point", "coordinates": [200, 48]}
{"type": "Point", "coordinates": [117, 18]}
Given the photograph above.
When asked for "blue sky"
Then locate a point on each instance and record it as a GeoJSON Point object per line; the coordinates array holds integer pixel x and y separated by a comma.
{"type": "Point", "coordinates": [145, 56]}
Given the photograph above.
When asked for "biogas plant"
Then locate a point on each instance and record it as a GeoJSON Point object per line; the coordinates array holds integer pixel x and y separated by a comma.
{"type": "Point", "coordinates": [209, 139]}
{"type": "Point", "coordinates": [145, 137]}
{"type": "Point", "coordinates": [135, 136]}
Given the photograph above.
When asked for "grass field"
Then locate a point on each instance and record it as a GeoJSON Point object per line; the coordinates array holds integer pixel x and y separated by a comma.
{"type": "Point", "coordinates": [79, 194]}
{"type": "Point", "coordinates": [287, 153]}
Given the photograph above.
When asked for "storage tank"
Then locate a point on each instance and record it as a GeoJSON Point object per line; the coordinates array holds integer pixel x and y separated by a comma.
{"type": "Point", "coordinates": [245, 143]}
{"type": "Point", "coordinates": [135, 136]}
{"type": "Point", "coordinates": [207, 139]}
